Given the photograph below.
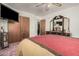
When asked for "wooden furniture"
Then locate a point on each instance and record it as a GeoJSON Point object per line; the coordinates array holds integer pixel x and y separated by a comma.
{"type": "Point", "coordinates": [24, 27]}
{"type": "Point", "coordinates": [59, 25]}
{"type": "Point", "coordinates": [13, 31]}
{"type": "Point", "coordinates": [18, 30]}
{"type": "Point", "coordinates": [58, 33]}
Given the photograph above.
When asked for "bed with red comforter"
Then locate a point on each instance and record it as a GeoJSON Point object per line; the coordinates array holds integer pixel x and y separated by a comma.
{"type": "Point", "coordinates": [61, 45]}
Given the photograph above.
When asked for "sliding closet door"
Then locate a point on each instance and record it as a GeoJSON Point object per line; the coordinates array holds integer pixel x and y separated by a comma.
{"type": "Point", "coordinates": [42, 27]}
{"type": "Point", "coordinates": [14, 31]}
{"type": "Point", "coordinates": [24, 27]}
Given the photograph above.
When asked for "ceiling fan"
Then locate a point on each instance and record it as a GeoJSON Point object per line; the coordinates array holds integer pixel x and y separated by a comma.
{"type": "Point", "coordinates": [47, 6]}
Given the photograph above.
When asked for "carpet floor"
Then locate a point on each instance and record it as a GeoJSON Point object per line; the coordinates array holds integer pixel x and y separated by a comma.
{"type": "Point", "coordinates": [10, 51]}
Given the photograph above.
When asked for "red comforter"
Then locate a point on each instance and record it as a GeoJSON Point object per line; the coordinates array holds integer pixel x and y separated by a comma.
{"type": "Point", "coordinates": [62, 45]}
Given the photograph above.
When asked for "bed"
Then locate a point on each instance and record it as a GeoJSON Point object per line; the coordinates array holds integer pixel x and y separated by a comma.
{"type": "Point", "coordinates": [49, 45]}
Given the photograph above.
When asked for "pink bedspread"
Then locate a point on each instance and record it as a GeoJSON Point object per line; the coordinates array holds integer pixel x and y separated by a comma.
{"type": "Point", "coordinates": [63, 45]}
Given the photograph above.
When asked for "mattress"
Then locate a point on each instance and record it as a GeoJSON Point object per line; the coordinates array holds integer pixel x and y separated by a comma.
{"type": "Point", "coordinates": [60, 45]}
{"type": "Point", "coordinates": [49, 45]}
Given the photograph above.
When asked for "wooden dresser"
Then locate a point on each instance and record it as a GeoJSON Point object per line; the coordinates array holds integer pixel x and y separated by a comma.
{"type": "Point", "coordinates": [58, 33]}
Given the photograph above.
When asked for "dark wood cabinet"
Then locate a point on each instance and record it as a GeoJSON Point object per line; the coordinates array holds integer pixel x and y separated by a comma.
{"type": "Point", "coordinates": [59, 25]}
{"type": "Point", "coordinates": [58, 33]}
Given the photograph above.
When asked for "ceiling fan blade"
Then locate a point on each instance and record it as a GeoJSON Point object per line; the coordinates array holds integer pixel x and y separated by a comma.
{"type": "Point", "coordinates": [57, 4]}
{"type": "Point", "coordinates": [38, 5]}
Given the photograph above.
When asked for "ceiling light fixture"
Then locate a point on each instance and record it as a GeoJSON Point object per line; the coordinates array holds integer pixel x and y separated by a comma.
{"type": "Point", "coordinates": [49, 5]}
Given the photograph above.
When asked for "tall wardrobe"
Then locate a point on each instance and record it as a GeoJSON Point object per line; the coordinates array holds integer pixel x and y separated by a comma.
{"type": "Point", "coordinates": [24, 27]}
{"type": "Point", "coordinates": [13, 26]}
{"type": "Point", "coordinates": [19, 30]}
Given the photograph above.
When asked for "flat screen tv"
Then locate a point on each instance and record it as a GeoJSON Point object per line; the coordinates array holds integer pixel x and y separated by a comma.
{"type": "Point", "coordinates": [8, 13]}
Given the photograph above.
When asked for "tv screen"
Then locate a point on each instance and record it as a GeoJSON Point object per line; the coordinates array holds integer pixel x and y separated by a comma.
{"type": "Point", "coordinates": [8, 13]}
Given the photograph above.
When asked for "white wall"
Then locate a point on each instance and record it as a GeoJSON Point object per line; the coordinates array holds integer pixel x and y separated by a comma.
{"type": "Point", "coordinates": [33, 22]}
{"type": "Point", "coordinates": [72, 13]}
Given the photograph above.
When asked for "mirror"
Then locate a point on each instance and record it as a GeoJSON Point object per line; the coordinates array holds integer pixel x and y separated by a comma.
{"type": "Point", "coordinates": [60, 24]}
{"type": "Point", "coordinates": [3, 33]}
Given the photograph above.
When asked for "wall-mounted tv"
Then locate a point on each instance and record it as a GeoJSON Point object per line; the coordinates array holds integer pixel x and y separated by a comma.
{"type": "Point", "coordinates": [8, 13]}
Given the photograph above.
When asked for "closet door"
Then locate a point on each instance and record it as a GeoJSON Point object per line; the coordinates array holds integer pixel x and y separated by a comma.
{"type": "Point", "coordinates": [42, 27]}
{"type": "Point", "coordinates": [24, 27]}
{"type": "Point", "coordinates": [13, 31]}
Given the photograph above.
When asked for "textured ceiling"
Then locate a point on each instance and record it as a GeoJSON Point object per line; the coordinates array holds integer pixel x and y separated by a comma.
{"type": "Point", "coordinates": [40, 11]}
